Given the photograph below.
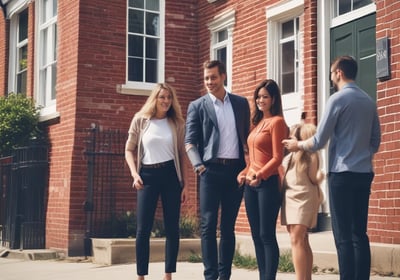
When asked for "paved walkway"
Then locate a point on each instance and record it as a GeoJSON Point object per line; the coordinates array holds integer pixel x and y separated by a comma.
{"type": "Point", "coordinates": [80, 269]}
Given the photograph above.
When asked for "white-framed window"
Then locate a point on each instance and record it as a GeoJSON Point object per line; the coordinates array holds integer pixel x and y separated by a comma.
{"type": "Point", "coordinates": [341, 11]}
{"type": "Point", "coordinates": [46, 55]}
{"type": "Point", "coordinates": [285, 45]}
{"type": "Point", "coordinates": [22, 52]}
{"type": "Point", "coordinates": [18, 51]}
{"type": "Point", "coordinates": [221, 30]}
{"type": "Point", "coordinates": [145, 46]}
{"type": "Point", "coordinates": [289, 42]}
{"type": "Point", "coordinates": [341, 7]}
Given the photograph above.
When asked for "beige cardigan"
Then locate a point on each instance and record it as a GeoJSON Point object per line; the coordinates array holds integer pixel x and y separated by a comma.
{"type": "Point", "coordinates": [139, 125]}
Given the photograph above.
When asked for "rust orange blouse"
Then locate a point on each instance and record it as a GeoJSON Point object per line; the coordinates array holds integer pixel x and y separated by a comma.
{"type": "Point", "coordinates": [266, 148]}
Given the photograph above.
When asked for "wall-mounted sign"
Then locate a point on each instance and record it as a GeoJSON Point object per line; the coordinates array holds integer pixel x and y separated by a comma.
{"type": "Point", "coordinates": [382, 59]}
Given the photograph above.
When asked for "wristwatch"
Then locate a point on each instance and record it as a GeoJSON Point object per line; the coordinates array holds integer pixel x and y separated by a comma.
{"type": "Point", "coordinates": [199, 169]}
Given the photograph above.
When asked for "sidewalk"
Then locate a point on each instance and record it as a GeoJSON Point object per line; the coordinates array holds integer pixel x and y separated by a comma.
{"type": "Point", "coordinates": [16, 269]}
{"type": "Point", "coordinates": [18, 264]}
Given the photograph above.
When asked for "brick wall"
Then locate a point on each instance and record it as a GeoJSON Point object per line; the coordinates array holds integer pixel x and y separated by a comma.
{"type": "Point", "coordinates": [384, 212]}
{"type": "Point", "coordinates": [4, 35]}
{"type": "Point", "coordinates": [92, 64]}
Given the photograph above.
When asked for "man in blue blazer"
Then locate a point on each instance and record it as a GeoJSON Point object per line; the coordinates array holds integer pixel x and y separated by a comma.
{"type": "Point", "coordinates": [217, 126]}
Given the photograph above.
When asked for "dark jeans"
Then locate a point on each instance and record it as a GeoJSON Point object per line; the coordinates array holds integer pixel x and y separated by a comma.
{"type": "Point", "coordinates": [158, 181]}
{"type": "Point", "coordinates": [349, 198]}
{"type": "Point", "coordinates": [219, 188]}
{"type": "Point", "coordinates": [262, 208]}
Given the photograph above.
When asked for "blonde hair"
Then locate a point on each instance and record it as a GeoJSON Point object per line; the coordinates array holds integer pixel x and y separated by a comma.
{"type": "Point", "coordinates": [149, 109]}
{"type": "Point", "coordinates": [302, 132]}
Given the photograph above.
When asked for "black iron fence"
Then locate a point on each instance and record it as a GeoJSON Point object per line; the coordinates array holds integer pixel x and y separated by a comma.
{"type": "Point", "coordinates": [23, 181]}
{"type": "Point", "coordinates": [108, 192]}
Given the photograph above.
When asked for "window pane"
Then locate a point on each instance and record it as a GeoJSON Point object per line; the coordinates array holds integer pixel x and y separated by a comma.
{"type": "Point", "coordinates": [153, 5]}
{"type": "Point", "coordinates": [135, 46]}
{"type": "Point", "coordinates": [287, 29]}
{"type": "Point", "coordinates": [151, 48]}
{"type": "Point", "coordinates": [344, 6]}
{"type": "Point", "coordinates": [55, 43]}
{"type": "Point", "coordinates": [42, 87]}
{"type": "Point", "coordinates": [222, 56]}
{"type": "Point", "coordinates": [222, 35]}
{"type": "Point", "coordinates": [23, 26]}
{"type": "Point", "coordinates": [44, 48]}
{"type": "Point", "coordinates": [288, 70]}
{"type": "Point", "coordinates": [360, 3]}
{"type": "Point", "coordinates": [152, 24]}
{"type": "Point", "coordinates": [54, 7]}
{"type": "Point", "coordinates": [136, 19]}
{"type": "Point", "coordinates": [53, 81]}
{"type": "Point", "coordinates": [21, 82]}
{"type": "Point", "coordinates": [22, 58]}
{"type": "Point", "coordinates": [135, 69]}
{"type": "Point", "coordinates": [45, 11]}
{"type": "Point", "coordinates": [151, 71]}
{"type": "Point", "coordinates": [136, 4]}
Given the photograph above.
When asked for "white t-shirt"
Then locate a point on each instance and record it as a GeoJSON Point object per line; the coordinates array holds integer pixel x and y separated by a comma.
{"type": "Point", "coordinates": [157, 142]}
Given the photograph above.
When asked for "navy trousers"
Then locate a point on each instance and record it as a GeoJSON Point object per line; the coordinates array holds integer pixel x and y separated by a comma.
{"type": "Point", "coordinates": [219, 190]}
{"type": "Point", "coordinates": [349, 200]}
{"type": "Point", "coordinates": [158, 182]}
{"type": "Point", "coordinates": [262, 208]}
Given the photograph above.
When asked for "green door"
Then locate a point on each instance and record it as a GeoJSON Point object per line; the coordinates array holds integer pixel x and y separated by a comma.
{"type": "Point", "coordinates": [358, 39]}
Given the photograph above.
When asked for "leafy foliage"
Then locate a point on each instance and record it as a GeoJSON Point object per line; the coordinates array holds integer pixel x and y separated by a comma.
{"type": "Point", "coordinates": [189, 227]}
{"type": "Point", "coordinates": [19, 119]}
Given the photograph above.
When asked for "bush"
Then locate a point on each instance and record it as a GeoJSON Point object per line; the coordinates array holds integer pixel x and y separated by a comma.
{"type": "Point", "coordinates": [124, 225]}
{"type": "Point", "coordinates": [189, 227]}
{"type": "Point", "coordinates": [19, 119]}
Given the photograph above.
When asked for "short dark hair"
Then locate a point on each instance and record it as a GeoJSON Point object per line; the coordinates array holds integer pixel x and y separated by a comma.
{"type": "Point", "coordinates": [215, 63]}
{"type": "Point", "coordinates": [348, 65]}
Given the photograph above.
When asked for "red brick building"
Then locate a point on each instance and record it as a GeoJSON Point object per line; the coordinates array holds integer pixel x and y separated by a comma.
{"type": "Point", "coordinates": [94, 62]}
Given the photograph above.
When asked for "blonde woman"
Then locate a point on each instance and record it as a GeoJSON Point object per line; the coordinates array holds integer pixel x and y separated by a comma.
{"type": "Point", "coordinates": [155, 155]}
{"type": "Point", "coordinates": [301, 200]}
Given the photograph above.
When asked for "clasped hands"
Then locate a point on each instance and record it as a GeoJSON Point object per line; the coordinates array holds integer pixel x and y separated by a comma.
{"type": "Point", "coordinates": [250, 179]}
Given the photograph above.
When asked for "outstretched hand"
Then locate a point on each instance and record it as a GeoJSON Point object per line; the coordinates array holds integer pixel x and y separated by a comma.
{"type": "Point", "coordinates": [291, 145]}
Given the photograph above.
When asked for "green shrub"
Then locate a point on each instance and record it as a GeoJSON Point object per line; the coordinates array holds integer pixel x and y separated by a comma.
{"type": "Point", "coordinates": [246, 261]}
{"type": "Point", "coordinates": [124, 225]}
{"type": "Point", "coordinates": [189, 227]}
{"type": "Point", "coordinates": [19, 119]}
{"type": "Point", "coordinates": [285, 262]}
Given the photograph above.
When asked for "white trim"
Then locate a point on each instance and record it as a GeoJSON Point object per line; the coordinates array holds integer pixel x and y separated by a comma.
{"type": "Point", "coordinates": [224, 20]}
{"type": "Point", "coordinates": [347, 17]}
{"type": "Point", "coordinates": [284, 10]}
{"type": "Point", "coordinates": [15, 6]}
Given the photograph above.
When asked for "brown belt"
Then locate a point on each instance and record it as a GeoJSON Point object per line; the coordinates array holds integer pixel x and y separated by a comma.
{"type": "Point", "coordinates": [225, 161]}
{"type": "Point", "coordinates": [159, 164]}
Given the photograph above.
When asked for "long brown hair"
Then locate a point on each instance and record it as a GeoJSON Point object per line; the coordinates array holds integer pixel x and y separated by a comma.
{"type": "Point", "coordinates": [149, 109]}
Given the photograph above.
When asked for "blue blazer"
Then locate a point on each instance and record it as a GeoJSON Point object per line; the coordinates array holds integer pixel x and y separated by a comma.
{"type": "Point", "coordinates": [202, 125]}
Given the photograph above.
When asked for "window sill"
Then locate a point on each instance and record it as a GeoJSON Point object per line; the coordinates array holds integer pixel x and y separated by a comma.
{"type": "Point", "coordinates": [49, 119]}
{"type": "Point", "coordinates": [129, 90]}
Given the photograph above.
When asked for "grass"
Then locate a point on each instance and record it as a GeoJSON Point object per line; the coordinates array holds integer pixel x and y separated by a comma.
{"type": "Point", "coordinates": [250, 262]}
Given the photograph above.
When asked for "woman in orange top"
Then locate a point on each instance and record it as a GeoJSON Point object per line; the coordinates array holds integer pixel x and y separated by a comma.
{"type": "Point", "coordinates": [260, 177]}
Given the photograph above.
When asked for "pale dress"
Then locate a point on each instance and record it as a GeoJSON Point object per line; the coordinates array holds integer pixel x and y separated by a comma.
{"type": "Point", "coordinates": [301, 198]}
